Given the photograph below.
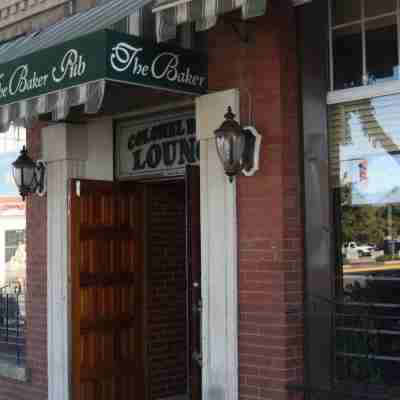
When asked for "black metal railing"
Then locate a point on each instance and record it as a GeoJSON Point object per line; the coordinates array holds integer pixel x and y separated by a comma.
{"type": "Point", "coordinates": [12, 324]}
{"type": "Point", "coordinates": [365, 349]}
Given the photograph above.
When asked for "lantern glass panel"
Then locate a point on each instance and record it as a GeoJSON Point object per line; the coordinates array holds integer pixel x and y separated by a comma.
{"type": "Point", "coordinates": [29, 177]}
{"type": "Point", "coordinates": [17, 174]}
{"type": "Point", "coordinates": [230, 148]}
{"type": "Point", "coordinates": [239, 146]}
{"type": "Point", "coordinates": [224, 150]}
{"type": "Point", "coordinates": [24, 177]}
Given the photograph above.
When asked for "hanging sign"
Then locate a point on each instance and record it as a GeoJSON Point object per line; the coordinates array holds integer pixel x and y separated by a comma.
{"type": "Point", "coordinates": [156, 148]}
{"type": "Point", "coordinates": [107, 55]}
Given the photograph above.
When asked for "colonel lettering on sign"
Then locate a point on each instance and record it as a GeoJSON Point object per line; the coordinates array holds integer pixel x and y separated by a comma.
{"type": "Point", "coordinates": [160, 148]}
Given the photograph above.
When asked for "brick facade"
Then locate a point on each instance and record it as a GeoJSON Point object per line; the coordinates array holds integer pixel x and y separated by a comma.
{"type": "Point", "coordinates": [18, 17]}
{"type": "Point", "coordinates": [166, 293]}
{"type": "Point", "coordinates": [36, 303]}
{"type": "Point", "coordinates": [269, 212]}
{"type": "Point", "coordinates": [269, 204]}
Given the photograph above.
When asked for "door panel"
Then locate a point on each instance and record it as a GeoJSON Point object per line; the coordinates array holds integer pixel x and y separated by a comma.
{"type": "Point", "coordinates": [106, 236]}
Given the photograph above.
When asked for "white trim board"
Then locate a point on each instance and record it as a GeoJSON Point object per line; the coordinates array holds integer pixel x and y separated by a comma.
{"type": "Point", "coordinates": [363, 92]}
{"type": "Point", "coordinates": [218, 254]}
{"type": "Point", "coordinates": [66, 150]}
{"type": "Point", "coordinates": [69, 155]}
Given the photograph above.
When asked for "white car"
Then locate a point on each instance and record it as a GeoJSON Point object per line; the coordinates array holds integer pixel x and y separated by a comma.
{"type": "Point", "coordinates": [354, 248]}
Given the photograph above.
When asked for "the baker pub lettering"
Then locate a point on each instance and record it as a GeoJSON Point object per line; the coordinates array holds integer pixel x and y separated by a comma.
{"type": "Point", "coordinates": [23, 79]}
{"type": "Point", "coordinates": [165, 66]}
{"type": "Point", "coordinates": [164, 146]}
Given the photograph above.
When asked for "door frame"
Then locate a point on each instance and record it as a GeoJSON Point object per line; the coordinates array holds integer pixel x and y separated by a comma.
{"type": "Point", "coordinates": [68, 155]}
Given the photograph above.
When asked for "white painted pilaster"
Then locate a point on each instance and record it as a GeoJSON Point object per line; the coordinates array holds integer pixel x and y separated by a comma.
{"type": "Point", "coordinates": [219, 254]}
{"type": "Point", "coordinates": [65, 150]}
{"type": "Point", "coordinates": [68, 154]}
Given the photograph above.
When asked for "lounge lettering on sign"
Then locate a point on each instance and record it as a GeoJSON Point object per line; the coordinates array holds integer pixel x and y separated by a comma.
{"type": "Point", "coordinates": [156, 148]}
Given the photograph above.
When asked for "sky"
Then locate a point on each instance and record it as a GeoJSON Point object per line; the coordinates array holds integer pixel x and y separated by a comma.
{"type": "Point", "coordinates": [10, 145]}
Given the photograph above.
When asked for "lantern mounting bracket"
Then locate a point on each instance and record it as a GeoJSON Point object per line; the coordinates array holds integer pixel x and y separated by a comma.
{"type": "Point", "coordinates": [240, 27]}
{"type": "Point", "coordinates": [251, 157]}
{"type": "Point", "coordinates": [41, 188]}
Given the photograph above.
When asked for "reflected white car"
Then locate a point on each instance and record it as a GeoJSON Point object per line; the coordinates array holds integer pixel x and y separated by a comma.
{"type": "Point", "coordinates": [352, 248]}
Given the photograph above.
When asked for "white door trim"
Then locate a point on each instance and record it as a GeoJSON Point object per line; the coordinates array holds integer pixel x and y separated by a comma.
{"type": "Point", "coordinates": [66, 150]}
{"type": "Point", "coordinates": [69, 156]}
{"type": "Point", "coordinates": [219, 254]}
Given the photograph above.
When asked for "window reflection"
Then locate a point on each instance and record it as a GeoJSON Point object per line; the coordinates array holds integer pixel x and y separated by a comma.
{"type": "Point", "coordinates": [12, 213]}
{"type": "Point", "coordinates": [364, 42]}
{"type": "Point", "coordinates": [347, 57]}
{"type": "Point", "coordinates": [364, 142]}
{"type": "Point", "coordinates": [374, 8]}
{"type": "Point", "coordinates": [381, 49]}
{"type": "Point", "coordinates": [345, 11]}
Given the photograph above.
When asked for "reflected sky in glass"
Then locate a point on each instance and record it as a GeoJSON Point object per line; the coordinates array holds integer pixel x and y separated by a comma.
{"type": "Point", "coordinates": [380, 153]}
{"type": "Point", "coordinates": [10, 146]}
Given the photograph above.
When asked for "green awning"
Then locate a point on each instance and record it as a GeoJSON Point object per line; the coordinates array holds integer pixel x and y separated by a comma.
{"type": "Point", "coordinates": [170, 13]}
{"type": "Point", "coordinates": [54, 79]}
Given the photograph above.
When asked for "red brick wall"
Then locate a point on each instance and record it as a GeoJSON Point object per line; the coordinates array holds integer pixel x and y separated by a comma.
{"type": "Point", "coordinates": [36, 330]}
{"type": "Point", "coordinates": [166, 277]}
{"type": "Point", "coordinates": [269, 211]}
{"type": "Point", "coordinates": [269, 204]}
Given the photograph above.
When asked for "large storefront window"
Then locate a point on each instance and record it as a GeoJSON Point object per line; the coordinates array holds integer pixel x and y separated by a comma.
{"type": "Point", "coordinates": [364, 139]}
{"type": "Point", "coordinates": [364, 42]}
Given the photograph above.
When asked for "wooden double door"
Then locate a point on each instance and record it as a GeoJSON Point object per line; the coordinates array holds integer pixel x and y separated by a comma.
{"type": "Point", "coordinates": [136, 307]}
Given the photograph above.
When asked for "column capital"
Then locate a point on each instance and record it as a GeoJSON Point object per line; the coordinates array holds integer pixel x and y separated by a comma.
{"type": "Point", "coordinates": [65, 142]}
{"type": "Point", "coordinates": [211, 109]}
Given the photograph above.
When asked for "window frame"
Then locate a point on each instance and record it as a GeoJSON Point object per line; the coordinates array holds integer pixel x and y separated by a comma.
{"type": "Point", "coordinates": [366, 91]}
{"type": "Point", "coordinates": [337, 265]}
{"type": "Point", "coordinates": [15, 366]}
{"type": "Point", "coordinates": [319, 236]}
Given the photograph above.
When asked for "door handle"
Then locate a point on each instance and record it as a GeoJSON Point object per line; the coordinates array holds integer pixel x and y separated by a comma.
{"type": "Point", "coordinates": [196, 357]}
{"type": "Point", "coordinates": [197, 308]}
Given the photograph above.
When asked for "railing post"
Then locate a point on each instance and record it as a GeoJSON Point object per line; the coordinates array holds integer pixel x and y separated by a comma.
{"type": "Point", "coordinates": [12, 324]}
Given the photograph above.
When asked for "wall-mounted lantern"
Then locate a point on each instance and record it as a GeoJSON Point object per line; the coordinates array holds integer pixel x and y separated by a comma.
{"type": "Point", "coordinates": [238, 148]}
{"type": "Point", "coordinates": [29, 175]}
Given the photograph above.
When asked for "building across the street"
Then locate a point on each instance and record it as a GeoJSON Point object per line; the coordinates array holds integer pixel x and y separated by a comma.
{"type": "Point", "coordinates": [212, 202]}
{"type": "Point", "coordinates": [12, 241]}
